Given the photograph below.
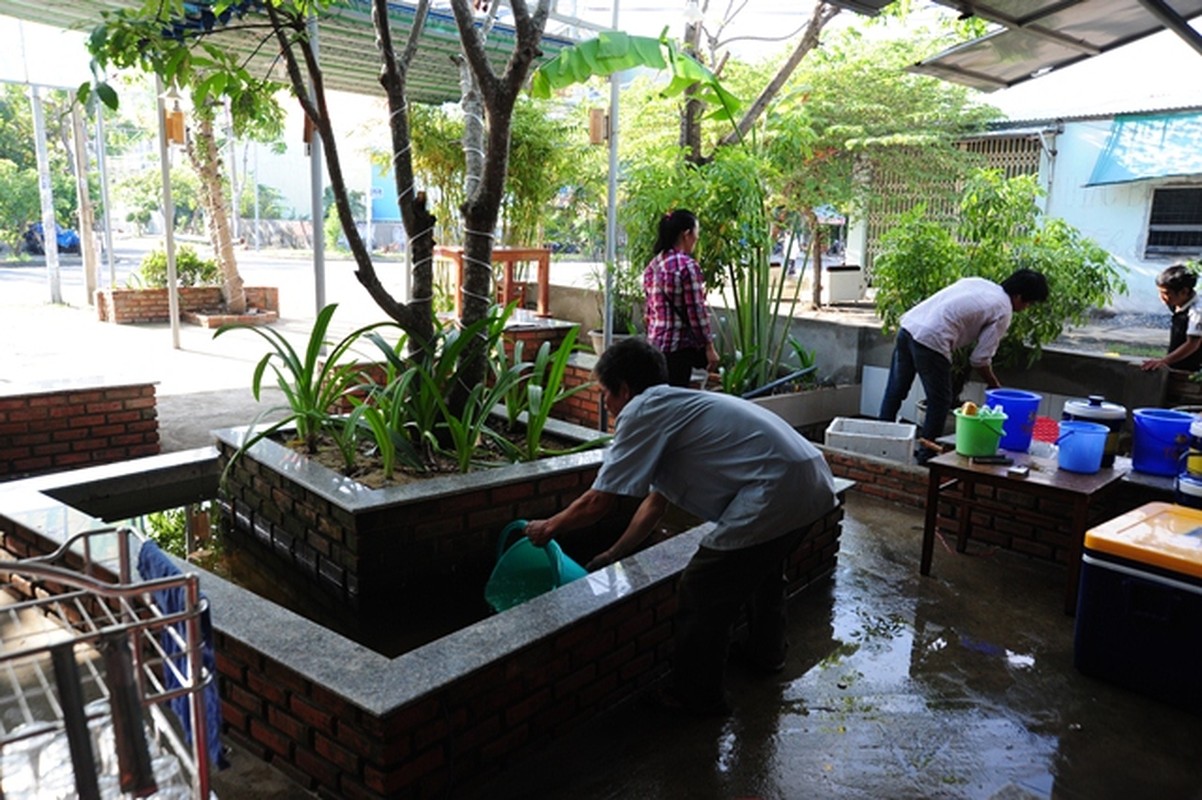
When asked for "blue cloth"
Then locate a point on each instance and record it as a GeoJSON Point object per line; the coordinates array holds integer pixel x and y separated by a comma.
{"type": "Point", "coordinates": [153, 563]}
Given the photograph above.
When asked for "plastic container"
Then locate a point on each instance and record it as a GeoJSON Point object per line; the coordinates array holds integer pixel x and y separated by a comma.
{"type": "Point", "coordinates": [1095, 409]}
{"type": "Point", "coordinates": [1188, 491]}
{"type": "Point", "coordinates": [1139, 607]}
{"type": "Point", "coordinates": [1081, 446]}
{"type": "Point", "coordinates": [525, 570]}
{"type": "Point", "coordinates": [978, 435]}
{"type": "Point", "coordinates": [1193, 456]}
{"type": "Point", "coordinates": [891, 440]}
{"type": "Point", "coordinates": [1161, 438]}
{"type": "Point", "coordinates": [1021, 408]}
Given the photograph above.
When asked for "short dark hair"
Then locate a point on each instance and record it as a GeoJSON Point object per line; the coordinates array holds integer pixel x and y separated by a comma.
{"type": "Point", "coordinates": [671, 226]}
{"type": "Point", "coordinates": [634, 362]}
{"type": "Point", "coordinates": [1177, 278]}
{"type": "Point", "coordinates": [1028, 284]}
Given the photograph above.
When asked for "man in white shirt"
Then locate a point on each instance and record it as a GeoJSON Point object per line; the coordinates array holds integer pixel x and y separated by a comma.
{"type": "Point", "coordinates": [724, 460]}
{"type": "Point", "coordinates": [970, 310]}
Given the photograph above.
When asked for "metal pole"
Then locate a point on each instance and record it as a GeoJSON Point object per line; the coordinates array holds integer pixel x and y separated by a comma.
{"type": "Point", "coordinates": [315, 180]}
{"type": "Point", "coordinates": [87, 238]}
{"type": "Point", "coordinates": [611, 217]}
{"type": "Point", "coordinates": [168, 216]}
{"type": "Point", "coordinates": [101, 152]}
{"type": "Point", "coordinates": [49, 229]}
{"type": "Point", "coordinates": [256, 193]}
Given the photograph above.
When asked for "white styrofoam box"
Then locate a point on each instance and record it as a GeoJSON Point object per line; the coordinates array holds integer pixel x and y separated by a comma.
{"type": "Point", "coordinates": [891, 440]}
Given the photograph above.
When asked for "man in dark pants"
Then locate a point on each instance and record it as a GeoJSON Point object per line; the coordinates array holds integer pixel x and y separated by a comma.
{"type": "Point", "coordinates": [722, 459]}
{"type": "Point", "coordinates": [970, 310]}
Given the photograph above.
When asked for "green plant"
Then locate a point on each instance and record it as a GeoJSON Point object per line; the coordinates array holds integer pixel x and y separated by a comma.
{"type": "Point", "coordinates": [545, 389]}
{"type": "Point", "coordinates": [626, 295]}
{"type": "Point", "coordinates": [1001, 229]}
{"type": "Point", "coordinates": [313, 385]}
{"type": "Point", "coordinates": [190, 269]}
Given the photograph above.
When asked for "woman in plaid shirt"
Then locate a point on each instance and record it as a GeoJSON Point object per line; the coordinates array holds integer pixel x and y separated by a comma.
{"type": "Point", "coordinates": [678, 319]}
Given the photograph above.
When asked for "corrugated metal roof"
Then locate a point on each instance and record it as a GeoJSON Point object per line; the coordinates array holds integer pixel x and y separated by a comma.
{"type": "Point", "coordinates": [1043, 35]}
{"type": "Point", "coordinates": [346, 41]}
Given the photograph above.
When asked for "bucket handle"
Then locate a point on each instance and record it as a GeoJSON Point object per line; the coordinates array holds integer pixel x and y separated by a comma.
{"type": "Point", "coordinates": [518, 526]}
{"type": "Point", "coordinates": [998, 430]}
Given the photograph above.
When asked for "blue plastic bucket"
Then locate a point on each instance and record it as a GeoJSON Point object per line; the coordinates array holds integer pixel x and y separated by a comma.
{"type": "Point", "coordinates": [525, 570]}
{"type": "Point", "coordinates": [1081, 446]}
{"type": "Point", "coordinates": [1021, 408]}
{"type": "Point", "coordinates": [1161, 438]}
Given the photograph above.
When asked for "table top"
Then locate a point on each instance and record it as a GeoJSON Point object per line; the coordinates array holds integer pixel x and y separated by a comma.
{"type": "Point", "coordinates": [1043, 472]}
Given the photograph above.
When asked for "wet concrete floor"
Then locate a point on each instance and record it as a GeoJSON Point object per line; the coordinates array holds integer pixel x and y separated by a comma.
{"type": "Point", "coordinates": [957, 685]}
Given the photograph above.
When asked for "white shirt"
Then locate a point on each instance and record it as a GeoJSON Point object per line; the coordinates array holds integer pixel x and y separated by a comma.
{"type": "Point", "coordinates": [970, 310]}
{"type": "Point", "coordinates": [720, 458]}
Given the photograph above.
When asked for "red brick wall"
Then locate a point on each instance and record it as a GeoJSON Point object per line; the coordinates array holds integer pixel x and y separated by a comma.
{"type": "Point", "coordinates": [455, 738]}
{"type": "Point", "coordinates": [151, 305]}
{"type": "Point", "coordinates": [56, 430]}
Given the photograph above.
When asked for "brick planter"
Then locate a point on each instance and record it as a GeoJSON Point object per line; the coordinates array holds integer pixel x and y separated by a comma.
{"type": "Point", "coordinates": [367, 546]}
{"type": "Point", "coordinates": [198, 304]}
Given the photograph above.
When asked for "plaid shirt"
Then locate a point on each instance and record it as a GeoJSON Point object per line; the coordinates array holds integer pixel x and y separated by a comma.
{"type": "Point", "coordinates": [675, 288]}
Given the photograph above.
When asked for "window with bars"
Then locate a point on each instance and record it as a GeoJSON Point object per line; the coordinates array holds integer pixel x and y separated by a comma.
{"type": "Point", "coordinates": [1175, 224]}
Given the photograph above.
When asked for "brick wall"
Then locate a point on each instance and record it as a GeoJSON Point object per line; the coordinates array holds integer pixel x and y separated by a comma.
{"type": "Point", "coordinates": [365, 557]}
{"type": "Point", "coordinates": [56, 430]}
{"type": "Point", "coordinates": [128, 306]}
{"type": "Point", "coordinates": [878, 477]}
{"type": "Point", "coordinates": [454, 739]}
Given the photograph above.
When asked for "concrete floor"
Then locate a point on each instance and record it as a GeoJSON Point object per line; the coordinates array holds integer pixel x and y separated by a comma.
{"type": "Point", "coordinates": [957, 685]}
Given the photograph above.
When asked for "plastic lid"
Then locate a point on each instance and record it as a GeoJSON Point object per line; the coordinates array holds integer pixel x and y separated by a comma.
{"type": "Point", "coordinates": [1188, 484]}
{"type": "Point", "coordinates": [1095, 410]}
{"type": "Point", "coordinates": [1195, 428]}
{"type": "Point", "coordinates": [1159, 534]}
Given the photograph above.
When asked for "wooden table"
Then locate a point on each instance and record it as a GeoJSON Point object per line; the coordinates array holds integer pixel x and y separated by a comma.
{"type": "Point", "coordinates": [507, 257]}
{"type": "Point", "coordinates": [952, 470]}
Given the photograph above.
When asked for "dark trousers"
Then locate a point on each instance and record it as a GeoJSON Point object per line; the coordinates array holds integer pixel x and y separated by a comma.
{"type": "Point", "coordinates": [680, 366]}
{"type": "Point", "coordinates": [714, 587]}
{"type": "Point", "coordinates": [909, 359]}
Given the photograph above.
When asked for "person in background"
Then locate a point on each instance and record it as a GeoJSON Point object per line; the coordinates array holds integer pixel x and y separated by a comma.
{"type": "Point", "coordinates": [678, 319]}
{"type": "Point", "coordinates": [725, 460]}
{"type": "Point", "coordinates": [970, 310]}
{"type": "Point", "coordinates": [1176, 285]}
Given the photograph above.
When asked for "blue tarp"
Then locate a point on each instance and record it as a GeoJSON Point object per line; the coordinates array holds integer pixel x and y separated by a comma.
{"type": "Point", "coordinates": [1150, 146]}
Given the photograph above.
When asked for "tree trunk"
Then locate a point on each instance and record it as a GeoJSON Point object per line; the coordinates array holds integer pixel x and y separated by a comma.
{"type": "Point", "coordinates": [815, 256]}
{"type": "Point", "coordinates": [202, 151]}
{"type": "Point", "coordinates": [823, 13]}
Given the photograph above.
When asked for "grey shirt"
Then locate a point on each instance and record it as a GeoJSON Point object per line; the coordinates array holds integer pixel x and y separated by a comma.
{"type": "Point", "coordinates": [721, 458]}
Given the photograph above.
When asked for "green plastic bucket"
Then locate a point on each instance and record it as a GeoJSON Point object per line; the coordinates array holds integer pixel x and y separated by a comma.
{"type": "Point", "coordinates": [525, 570]}
{"type": "Point", "coordinates": [977, 435]}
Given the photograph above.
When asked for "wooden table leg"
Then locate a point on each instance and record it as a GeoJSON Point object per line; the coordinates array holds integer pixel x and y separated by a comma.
{"type": "Point", "coordinates": [1076, 542]}
{"type": "Point", "coordinates": [964, 518]}
{"type": "Point", "coordinates": [928, 531]}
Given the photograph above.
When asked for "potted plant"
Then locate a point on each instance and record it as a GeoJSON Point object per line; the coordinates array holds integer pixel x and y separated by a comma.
{"type": "Point", "coordinates": [626, 293]}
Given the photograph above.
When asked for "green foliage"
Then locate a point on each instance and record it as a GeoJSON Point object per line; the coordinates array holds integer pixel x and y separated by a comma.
{"type": "Point", "coordinates": [626, 294]}
{"type": "Point", "coordinates": [614, 51]}
{"type": "Point", "coordinates": [271, 202]}
{"type": "Point", "coordinates": [169, 529]}
{"type": "Point", "coordinates": [438, 162]}
{"type": "Point", "coordinates": [1001, 229]}
{"type": "Point", "coordinates": [190, 269]}
{"type": "Point", "coordinates": [542, 150]}
{"type": "Point", "coordinates": [313, 384]}
{"type": "Point", "coordinates": [20, 204]}
{"type": "Point", "coordinates": [142, 196]}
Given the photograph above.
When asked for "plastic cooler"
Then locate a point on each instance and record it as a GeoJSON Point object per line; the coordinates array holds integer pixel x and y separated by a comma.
{"type": "Point", "coordinates": [1139, 608]}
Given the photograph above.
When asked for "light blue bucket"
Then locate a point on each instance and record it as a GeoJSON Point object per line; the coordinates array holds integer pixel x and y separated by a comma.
{"type": "Point", "coordinates": [525, 570]}
{"type": "Point", "coordinates": [1082, 445]}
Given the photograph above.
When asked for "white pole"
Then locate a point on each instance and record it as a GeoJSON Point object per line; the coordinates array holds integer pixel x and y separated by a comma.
{"type": "Point", "coordinates": [101, 152]}
{"type": "Point", "coordinates": [168, 216]}
{"type": "Point", "coordinates": [611, 222]}
{"type": "Point", "coordinates": [315, 180]}
{"type": "Point", "coordinates": [49, 229]}
{"type": "Point", "coordinates": [256, 192]}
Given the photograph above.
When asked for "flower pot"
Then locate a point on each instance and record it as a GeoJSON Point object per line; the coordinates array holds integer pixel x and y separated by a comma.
{"type": "Point", "coordinates": [598, 339]}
